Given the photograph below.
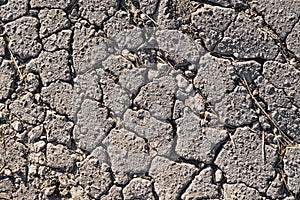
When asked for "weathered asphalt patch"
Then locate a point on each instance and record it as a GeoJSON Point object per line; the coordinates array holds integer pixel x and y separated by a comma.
{"type": "Point", "coordinates": [149, 99]}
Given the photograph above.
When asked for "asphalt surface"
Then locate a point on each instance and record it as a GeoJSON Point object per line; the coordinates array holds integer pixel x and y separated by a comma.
{"type": "Point", "coordinates": [150, 99]}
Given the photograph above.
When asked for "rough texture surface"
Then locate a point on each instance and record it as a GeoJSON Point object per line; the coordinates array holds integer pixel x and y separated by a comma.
{"type": "Point", "coordinates": [281, 16]}
{"type": "Point", "coordinates": [240, 191]}
{"type": "Point", "coordinates": [292, 40]}
{"type": "Point", "coordinates": [291, 168]}
{"type": "Point", "coordinates": [24, 37]}
{"type": "Point", "coordinates": [243, 40]}
{"type": "Point", "coordinates": [202, 187]}
{"type": "Point", "coordinates": [170, 177]}
{"type": "Point", "coordinates": [149, 99]}
{"type": "Point", "coordinates": [205, 140]}
{"type": "Point", "coordinates": [6, 77]}
{"type": "Point", "coordinates": [52, 66]}
{"type": "Point", "coordinates": [52, 20]}
{"type": "Point", "coordinates": [206, 19]}
{"type": "Point", "coordinates": [242, 161]}
{"type": "Point", "coordinates": [138, 188]}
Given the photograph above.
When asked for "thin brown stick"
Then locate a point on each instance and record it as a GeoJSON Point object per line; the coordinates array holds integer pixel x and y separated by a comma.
{"type": "Point", "coordinates": [16, 65]}
{"type": "Point", "coordinates": [282, 133]}
{"type": "Point", "coordinates": [263, 149]}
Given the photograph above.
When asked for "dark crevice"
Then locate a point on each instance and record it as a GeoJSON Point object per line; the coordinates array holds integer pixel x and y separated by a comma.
{"type": "Point", "coordinates": [71, 59]}
{"type": "Point", "coordinates": [28, 8]}
{"type": "Point", "coordinates": [187, 185]}
{"type": "Point", "coordinates": [232, 58]}
{"type": "Point", "coordinates": [111, 184]}
{"type": "Point", "coordinates": [218, 147]}
{"type": "Point", "coordinates": [223, 33]}
{"type": "Point", "coordinates": [173, 123]}
{"type": "Point", "coordinates": [71, 6]}
{"type": "Point", "coordinates": [171, 120]}
{"type": "Point", "coordinates": [213, 3]}
{"type": "Point", "coordinates": [3, 2]}
{"type": "Point", "coordinates": [194, 162]}
{"type": "Point", "coordinates": [49, 107]}
{"type": "Point", "coordinates": [155, 195]}
{"type": "Point", "coordinates": [281, 43]}
{"type": "Point", "coordinates": [133, 105]}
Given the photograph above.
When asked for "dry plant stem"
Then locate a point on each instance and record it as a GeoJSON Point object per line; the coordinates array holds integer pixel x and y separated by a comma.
{"type": "Point", "coordinates": [232, 140]}
{"type": "Point", "coordinates": [155, 23]}
{"type": "Point", "coordinates": [263, 149]}
{"type": "Point", "coordinates": [16, 65]}
{"type": "Point", "coordinates": [283, 175]}
{"type": "Point", "coordinates": [282, 134]}
{"type": "Point", "coordinates": [135, 12]}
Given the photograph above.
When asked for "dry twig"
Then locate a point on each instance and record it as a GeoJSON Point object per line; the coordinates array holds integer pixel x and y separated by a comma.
{"type": "Point", "coordinates": [281, 137]}
{"type": "Point", "coordinates": [16, 65]}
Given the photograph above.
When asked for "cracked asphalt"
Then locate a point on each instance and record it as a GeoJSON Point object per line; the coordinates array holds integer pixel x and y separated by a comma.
{"type": "Point", "coordinates": [150, 99]}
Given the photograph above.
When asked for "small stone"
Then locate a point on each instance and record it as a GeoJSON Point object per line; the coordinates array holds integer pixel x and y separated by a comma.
{"type": "Point", "coordinates": [35, 133]}
{"type": "Point", "coordinates": [17, 126]}
{"type": "Point", "coordinates": [218, 175]}
{"type": "Point", "coordinates": [32, 82]}
{"type": "Point", "coordinates": [114, 193]}
{"type": "Point", "coordinates": [32, 170]}
{"type": "Point", "coordinates": [7, 172]}
{"type": "Point", "coordinates": [189, 74]}
{"type": "Point", "coordinates": [40, 145]}
{"type": "Point", "coordinates": [77, 192]}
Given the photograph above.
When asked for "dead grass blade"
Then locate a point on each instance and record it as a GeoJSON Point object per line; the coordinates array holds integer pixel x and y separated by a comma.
{"type": "Point", "coordinates": [16, 65]}
{"type": "Point", "coordinates": [281, 137]}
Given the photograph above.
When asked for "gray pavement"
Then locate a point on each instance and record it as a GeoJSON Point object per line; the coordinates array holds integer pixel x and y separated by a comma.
{"type": "Point", "coordinates": [150, 99]}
